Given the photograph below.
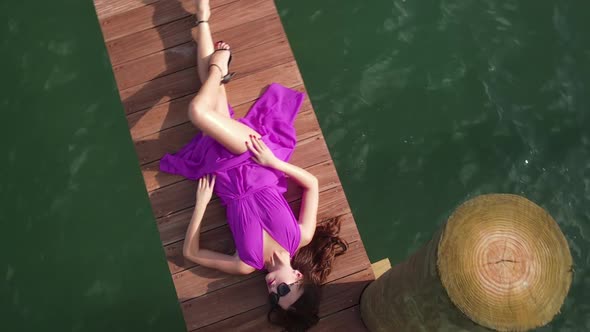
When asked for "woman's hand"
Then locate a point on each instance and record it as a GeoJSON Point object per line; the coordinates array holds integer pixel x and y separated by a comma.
{"type": "Point", "coordinates": [205, 190]}
{"type": "Point", "coordinates": [261, 153]}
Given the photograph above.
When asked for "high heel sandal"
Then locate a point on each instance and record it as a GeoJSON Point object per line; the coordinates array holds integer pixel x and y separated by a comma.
{"type": "Point", "coordinates": [227, 77]}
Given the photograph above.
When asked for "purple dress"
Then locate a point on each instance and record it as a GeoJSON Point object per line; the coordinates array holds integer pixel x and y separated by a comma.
{"type": "Point", "coordinates": [253, 194]}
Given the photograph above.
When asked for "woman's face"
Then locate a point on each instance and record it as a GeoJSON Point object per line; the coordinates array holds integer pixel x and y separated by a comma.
{"type": "Point", "coordinates": [289, 276]}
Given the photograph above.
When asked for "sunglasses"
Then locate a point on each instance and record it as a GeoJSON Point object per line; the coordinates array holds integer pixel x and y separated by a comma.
{"type": "Point", "coordinates": [282, 290]}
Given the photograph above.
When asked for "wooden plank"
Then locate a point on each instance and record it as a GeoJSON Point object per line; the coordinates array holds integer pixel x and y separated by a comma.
{"type": "Point", "coordinates": [173, 227]}
{"type": "Point", "coordinates": [160, 90]}
{"type": "Point", "coordinates": [251, 33]}
{"type": "Point", "coordinates": [143, 18]}
{"type": "Point", "coordinates": [185, 82]}
{"type": "Point", "coordinates": [241, 12]}
{"type": "Point", "coordinates": [344, 291]}
{"type": "Point", "coordinates": [178, 196]}
{"type": "Point", "coordinates": [176, 58]}
{"type": "Point", "coordinates": [251, 320]}
{"type": "Point", "coordinates": [345, 320]}
{"type": "Point", "coordinates": [160, 117]}
{"type": "Point", "coordinates": [332, 203]}
{"type": "Point", "coordinates": [153, 147]}
{"type": "Point", "coordinates": [179, 32]}
{"type": "Point", "coordinates": [306, 124]}
{"type": "Point", "coordinates": [168, 115]}
{"type": "Point", "coordinates": [153, 14]}
{"type": "Point", "coordinates": [150, 41]}
{"type": "Point", "coordinates": [247, 89]}
{"type": "Point", "coordinates": [223, 15]}
{"type": "Point", "coordinates": [106, 8]}
{"type": "Point", "coordinates": [260, 57]}
{"type": "Point", "coordinates": [255, 320]}
{"type": "Point", "coordinates": [381, 267]}
{"type": "Point", "coordinates": [154, 178]}
{"type": "Point", "coordinates": [200, 280]}
{"type": "Point", "coordinates": [252, 293]}
{"type": "Point", "coordinates": [225, 303]}
{"type": "Point", "coordinates": [162, 63]}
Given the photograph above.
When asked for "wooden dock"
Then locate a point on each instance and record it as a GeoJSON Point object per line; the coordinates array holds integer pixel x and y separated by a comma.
{"type": "Point", "coordinates": [153, 60]}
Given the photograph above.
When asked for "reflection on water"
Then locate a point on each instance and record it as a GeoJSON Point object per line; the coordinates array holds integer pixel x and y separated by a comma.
{"type": "Point", "coordinates": [426, 104]}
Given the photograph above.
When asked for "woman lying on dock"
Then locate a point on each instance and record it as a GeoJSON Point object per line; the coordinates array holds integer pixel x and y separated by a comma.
{"type": "Point", "coordinates": [245, 162]}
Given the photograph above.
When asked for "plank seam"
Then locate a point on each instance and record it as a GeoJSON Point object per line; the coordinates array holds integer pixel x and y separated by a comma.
{"type": "Point", "coordinates": [105, 16]}
{"type": "Point", "coordinates": [335, 312]}
{"type": "Point", "coordinates": [190, 41]}
{"type": "Point", "coordinates": [165, 244]}
{"type": "Point", "coordinates": [258, 307]}
{"type": "Point", "coordinates": [188, 121]}
{"type": "Point", "coordinates": [225, 224]}
{"type": "Point", "coordinates": [240, 78]}
{"type": "Point", "coordinates": [177, 272]}
{"type": "Point", "coordinates": [154, 160]}
{"type": "Point", "coordinates": [155, 26]}
{"type": "Point", "coordinates": [193, 66]}
{"type": "Point", "coordinates": [217, 198]}
{"type": "Point", "coordinates": [250, 277]}
{"type": "Point", "coordinates": [184, 179]}
{"type": "Point", "coordinates": [254, 275]}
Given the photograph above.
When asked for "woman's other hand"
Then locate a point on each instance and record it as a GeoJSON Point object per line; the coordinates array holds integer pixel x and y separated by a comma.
{"type": "Point", "coordinates": [205, 190]}
{"type": "Point", "coordinates": [261, 153]}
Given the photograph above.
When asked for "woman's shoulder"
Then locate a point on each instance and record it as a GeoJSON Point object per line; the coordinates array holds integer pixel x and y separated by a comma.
{"type": "Point", "coordinates": [243, 267]}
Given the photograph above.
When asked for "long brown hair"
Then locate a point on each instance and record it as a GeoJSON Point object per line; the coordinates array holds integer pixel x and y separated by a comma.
{"type": "Point", "coordinates": [314, 261]}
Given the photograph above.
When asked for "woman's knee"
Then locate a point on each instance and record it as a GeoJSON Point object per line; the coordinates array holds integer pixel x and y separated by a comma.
{"type": "Point", "coordinates": [196, 112]}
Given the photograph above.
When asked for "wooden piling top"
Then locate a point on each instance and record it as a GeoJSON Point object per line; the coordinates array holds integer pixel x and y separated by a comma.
{"type": "Point", "coordinates": [504, 262]}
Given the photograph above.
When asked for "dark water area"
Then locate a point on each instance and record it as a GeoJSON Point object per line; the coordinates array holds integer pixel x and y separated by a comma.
{"type": "Point", "coordinates": [79, 248]}
{"type": "Point", "coordinates": [425, 104]}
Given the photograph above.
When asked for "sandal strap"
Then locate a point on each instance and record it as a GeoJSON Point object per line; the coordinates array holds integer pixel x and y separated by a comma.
{"type": "Point", "coordinates": [220, 70]}
{"type": "Point", "coordinates": [199, 22]}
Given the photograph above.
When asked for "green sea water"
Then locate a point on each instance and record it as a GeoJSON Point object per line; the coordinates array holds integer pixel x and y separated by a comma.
{"type": "Point", "coordinates": [425, 104]}
{"type": "Point", "coordinates": [79, 248]}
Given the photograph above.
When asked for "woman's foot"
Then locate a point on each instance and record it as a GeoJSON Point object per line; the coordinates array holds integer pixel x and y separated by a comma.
{"type": "Point", "coordinates": [203, 10]}
{"type": "Point", "coordinates": [220, 60]}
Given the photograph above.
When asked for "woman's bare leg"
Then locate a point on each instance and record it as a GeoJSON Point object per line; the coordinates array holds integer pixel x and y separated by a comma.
{"type": "Point", "coordinates": [204, 51]}
{"type": "Point", "coordinates": [202, 109]}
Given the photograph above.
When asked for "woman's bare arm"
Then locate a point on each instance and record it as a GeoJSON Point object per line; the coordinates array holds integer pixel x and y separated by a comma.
{"type": "Point", "coordinates": [191, 249]}
{"type": "Point", "coordinates": [310, 198]}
